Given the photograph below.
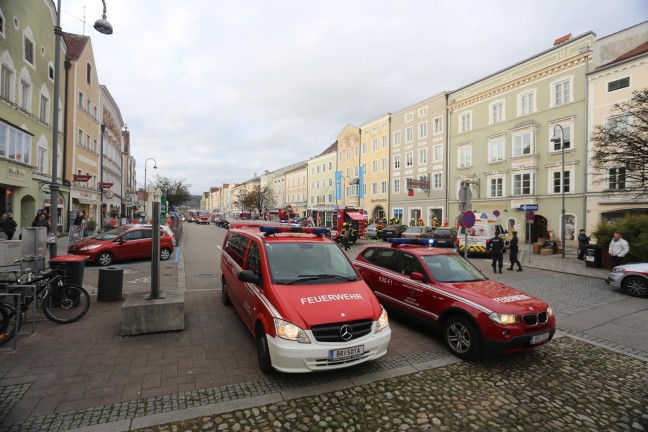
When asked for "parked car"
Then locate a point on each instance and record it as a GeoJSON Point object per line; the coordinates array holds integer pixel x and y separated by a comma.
{"type": "Point", "coordinates": [166, 228]}
{"type": "Point", "coordinates": [301, 298]}
{"type": "Point", "coordinates": [122, 243]}
{"type": "Point", "coordinates": [371, 231]}
{"type": "Point", "coordinates": [444, 237]}
{"type": "Point", "coordinates": [440, 288]}
{"type": "Point", "coordinates": [632, 278]}
{"type": "Point", "coordinates": [417, 232]}
{"type": "Point", "coordinates": [393, 231]}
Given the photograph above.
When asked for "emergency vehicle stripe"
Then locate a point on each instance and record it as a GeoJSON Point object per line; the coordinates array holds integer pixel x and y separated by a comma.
{"type": "Point", "coordinates": [473, 248]}
{"type": "Point", "coordinates": [254, 288]}
{"type": "Point", "coordinates": [422, 285]}
{"type": "Point", "coordinates": [407, 305]}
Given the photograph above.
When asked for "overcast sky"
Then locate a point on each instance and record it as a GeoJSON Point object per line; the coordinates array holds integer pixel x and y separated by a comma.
{"type": "Point", "coordinates": [217, 91]}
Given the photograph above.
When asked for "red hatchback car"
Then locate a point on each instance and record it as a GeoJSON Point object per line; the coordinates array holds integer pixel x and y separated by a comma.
{"type": "Point", "coordinates": [122, 243]}
{"type": "Point", "coordinates": [436, 286]}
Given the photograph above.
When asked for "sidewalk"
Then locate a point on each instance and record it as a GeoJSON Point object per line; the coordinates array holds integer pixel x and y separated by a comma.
{"type": "Point", "coordinates": [557, 263]}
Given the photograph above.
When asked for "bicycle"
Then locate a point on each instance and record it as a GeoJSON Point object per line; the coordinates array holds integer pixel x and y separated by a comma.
{"type": "Point", "coordinates": [62, 302]}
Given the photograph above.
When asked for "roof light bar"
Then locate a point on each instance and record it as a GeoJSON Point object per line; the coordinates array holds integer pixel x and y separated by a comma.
{"type": "Point", "coordinates": [292, 229]}
{"type": "Point", "coordinates": [429, 242]}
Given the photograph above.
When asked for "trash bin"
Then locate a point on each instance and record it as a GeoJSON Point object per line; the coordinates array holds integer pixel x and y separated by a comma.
{"type": "Point", "coordinates": [110, 284]}
{"type": "Point", "coordinates": [73, 267]}
{"type": "Point", "coordinates": [592, 256]}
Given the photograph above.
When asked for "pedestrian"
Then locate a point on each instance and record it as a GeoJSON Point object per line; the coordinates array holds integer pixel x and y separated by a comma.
{"type": "Point", "coordinates": [583, 241]}
{"type": "Point", "coordinates": [346, 234]}
{"type": "Point", "coordinates": [10, 226]}
{"type": "Point", "coordinates": [41, 221]}
{"type": "Point", "coordinates": [78, 220]}
{"type": "Point", "coordinates": [496, 246]}
{"type": "Point", "coordinates": [513, 253]}
{"type": "Point", "coordinates": [2, 222]}
{"type": "Point", "coordinates": [618, 249]}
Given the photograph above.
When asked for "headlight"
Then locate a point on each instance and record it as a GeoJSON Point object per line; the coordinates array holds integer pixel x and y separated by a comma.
{"type": "Point", "coordinates": [383, 321]}
{"type": "Point", "coordinates": [549, 311]}
{"type": "Point", "coordinates": [289, 331]}
{"type": "Point", "coordinates": [618, 270]}
{"type": "Point", "coordinates": [504, 319]}
{"type": "Point", "coordinates": [89, 247]}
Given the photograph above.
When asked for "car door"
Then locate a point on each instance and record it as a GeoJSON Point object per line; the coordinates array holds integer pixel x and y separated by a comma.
{"type": "Point", "coordinates": [385, 280]}
{"type": "Point", "coordinates": [129, 244]}
{"type": "Point", "coordinates": [420, 299]}
{"type": "Point", "coordinates": [249, 293]}
{"type": "Point", "coordinates": [235, 248]}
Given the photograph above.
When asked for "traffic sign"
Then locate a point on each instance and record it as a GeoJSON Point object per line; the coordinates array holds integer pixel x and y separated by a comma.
{"type": "Point", "coordinates": [529, 207]}
{"type": "Point", "coordinates": [530, 215]}
{"type": "Point", "coordinates": [468, 219]}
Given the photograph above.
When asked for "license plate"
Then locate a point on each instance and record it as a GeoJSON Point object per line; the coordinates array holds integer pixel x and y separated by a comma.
{"type": "Point", "coordinates": [539, 338]}
{"type": "Point", "coordinates": [346, 353]}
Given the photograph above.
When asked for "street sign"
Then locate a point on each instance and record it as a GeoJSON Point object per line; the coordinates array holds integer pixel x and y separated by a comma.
{"type": "Point", "coordinates": [533, 207]}
{"type": "Point", "coordinates": [81, 177]}
{"type": "Point", "coordinates": [105, 185]}
{"type": "Point", "coordinates": [496, 213]}
{"type": "Point", "coordinates": [468, 219]}
{"type": "Point", "coordinates": [530, 215]}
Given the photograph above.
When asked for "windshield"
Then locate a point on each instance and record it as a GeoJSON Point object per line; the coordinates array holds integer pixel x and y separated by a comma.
{"type": "Point", "coordinates": [308, 262]}
{"type": "Point", "coordinates": [414, 229]}
{"type": "Point", "coordinates": [109, 235]}
{"type": "Point", "coordinates": [203, 213]}
{"type": "Point", "coordinates": [452, 268]}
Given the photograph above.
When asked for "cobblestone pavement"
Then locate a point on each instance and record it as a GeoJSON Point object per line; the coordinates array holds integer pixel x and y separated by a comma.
{"type": "Point", "coordinates": [567, 385]}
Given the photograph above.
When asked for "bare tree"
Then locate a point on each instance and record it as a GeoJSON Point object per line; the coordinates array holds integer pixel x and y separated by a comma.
{"type": "Point", "coordinates": [259, 199]}
{"type": "Point", "coordinates": [176, 191]}
{"type": "Point", "coordinates": [620, 147]}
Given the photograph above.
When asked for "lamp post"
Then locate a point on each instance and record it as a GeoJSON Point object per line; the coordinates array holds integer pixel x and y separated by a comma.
{"type": "Point", "coordinates": [145, 188]}
{"type": "Point", "coordinates": [561, 140]}
{"type": "Point", "coordinates": [101, 179]}
{"type": "Point", "coordinates": [102, 26]}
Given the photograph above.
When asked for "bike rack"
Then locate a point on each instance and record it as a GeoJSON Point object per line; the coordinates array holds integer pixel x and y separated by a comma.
{"type": "Point", "coordinates": [18, 314]}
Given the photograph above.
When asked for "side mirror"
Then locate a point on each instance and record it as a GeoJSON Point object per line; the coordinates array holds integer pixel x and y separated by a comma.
{"type": "Point", "coordinates": [248, 276]}
{"type": "Point", "coordinates": [416, 276]}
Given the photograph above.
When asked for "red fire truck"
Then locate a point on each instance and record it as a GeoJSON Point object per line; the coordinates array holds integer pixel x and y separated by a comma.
{"type": "Point", "coordinates": [334, 217]}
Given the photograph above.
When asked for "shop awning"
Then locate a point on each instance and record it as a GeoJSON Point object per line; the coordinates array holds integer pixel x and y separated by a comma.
{"type": "Point", "coordinates": [86, 201]}
{"type": "Point", "coordinates": [355, 215]}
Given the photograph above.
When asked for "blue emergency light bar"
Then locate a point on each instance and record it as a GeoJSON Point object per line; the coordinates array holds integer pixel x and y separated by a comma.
{"type": "Point", "coordinates": [429, 242]}
{"type": "Point", "coordinates": [292, 230]}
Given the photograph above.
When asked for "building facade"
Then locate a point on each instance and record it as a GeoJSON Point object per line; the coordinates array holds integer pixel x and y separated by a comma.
{"type": "Point", "coordinates": [347, 177]}
{"type": "Point", "coordinates": [374, 165]}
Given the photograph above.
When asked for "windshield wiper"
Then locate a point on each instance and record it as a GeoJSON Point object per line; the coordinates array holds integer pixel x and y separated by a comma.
{"type": "Point", "coordinates": [303, 278]}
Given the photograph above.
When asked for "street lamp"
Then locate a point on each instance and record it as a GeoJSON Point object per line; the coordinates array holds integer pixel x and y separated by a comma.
{"type": "Point", "coordinates": [561, 140]}
{"type": "Point", "coordinates": [102, 26]}
{"type": "Point", "coordinates": [101, 181]}
{"type": "Point", "coordinates": [145, 189]}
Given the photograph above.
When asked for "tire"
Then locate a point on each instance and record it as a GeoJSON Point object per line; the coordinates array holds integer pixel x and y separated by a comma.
{"type": "Point", "coordinates": [636, 286]}
{"type": "Point", "coordinates": [65, 304]}
{"type": "Point", "coordinates": [461, 338]}
{"type": "Point", "coordinates": [225, 298]}
{"type": "Point", "coordinates": [263, 351]}
{"type": "Point", "coordinates": [8, 323]}
{"type": "Point", "coordinates": [104, 259]}
{"type": "Point", "coordinates": [165, 254]}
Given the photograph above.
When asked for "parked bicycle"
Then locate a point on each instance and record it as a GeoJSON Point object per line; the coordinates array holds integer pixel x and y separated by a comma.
{"type": "Point", "coordinates": [62, 302]}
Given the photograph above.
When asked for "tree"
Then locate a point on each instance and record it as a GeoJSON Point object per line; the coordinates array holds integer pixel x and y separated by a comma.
{"type": "Point", "coordinates": [259, 199]}
{"type": "Point", "coordinates": [620, 147]}
{"type": "Point", "coordinates": [176, 191]}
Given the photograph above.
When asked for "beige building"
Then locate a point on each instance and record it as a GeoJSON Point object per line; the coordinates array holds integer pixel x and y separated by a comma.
{"type": "Point", "coordinates": [418, 162]}
{"type": "Point", "coordinates": [111, 162]}
{"type": "Point", "coordinates": [321, 178]}
{"type": "Point", "coordinates": [297, 189]}
{"type": "Point", "coordinates": [374, 163]}
{"type": "Point", "coordinates": [347, 180]}
{"type": "Point", "coordinates": [622, 67]}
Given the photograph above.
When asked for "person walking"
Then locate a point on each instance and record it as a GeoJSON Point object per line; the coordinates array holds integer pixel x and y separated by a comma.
{"type": "Point", "coordinates": [41, 221]}
{"type": "Point", "coordinates": [10, 226]}
{"type": "Point", "coordinates": [346, 234]}
{"type": "Point", "coordinates": [496, 246]}
{"type": "Point", "coordinates": [583, 241]}
{"type": "Point", "coordinates": [618, 249]}
{"type": "Point", "coordinates": [78, 220]}
{"type": "Point", "coordinates": [513, 245]}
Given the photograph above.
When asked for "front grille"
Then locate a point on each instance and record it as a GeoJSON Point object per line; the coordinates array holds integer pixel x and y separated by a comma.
{"type": "Point", "coordinates": [331, 332]}
{"type": "Point", "coordinates": [535, 319]}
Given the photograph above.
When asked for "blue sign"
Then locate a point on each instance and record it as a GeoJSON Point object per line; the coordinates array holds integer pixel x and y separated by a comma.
{"type": "Point", "coordinates": [468, 219]}
{"type": "Point", "coordinates": [529, 207]}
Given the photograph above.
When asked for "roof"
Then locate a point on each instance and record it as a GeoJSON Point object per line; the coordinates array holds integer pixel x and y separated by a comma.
{"type": "Point", "coordinates": [641, 49]}
{"type": "Point", "coordinates": [75, 44]}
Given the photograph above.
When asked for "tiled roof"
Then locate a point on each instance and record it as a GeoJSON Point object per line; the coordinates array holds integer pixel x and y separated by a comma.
{"type": "Point", "coordinates": [75, 44]}
{"type": "Point", "coordinates": [641, 49]}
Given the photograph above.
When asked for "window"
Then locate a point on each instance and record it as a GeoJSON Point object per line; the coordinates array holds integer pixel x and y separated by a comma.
{"type": "Point", "coordinates": [396, 185]}
{"type": "Point", "coordinates": [42, 159]}
{"type": "Point", "coordinates": [438, 125]}
{"type": "Point", "coordinates": [44, 109]}
{"type": "Point", "coordinates": [15, 144]}
{"type": "Point", "coordinates": [374, 166]}
{"type": "Point", "coordinates": [356, 151]}
{"type": "Point", "coordinates": [409, 159]}
{"type": "Point", "coordinates": [423, 130]}
{"type": "Point", "coordinates": [6, 78]}
{"type": "Point", "coordinates": [566, 181]}
{"type": "Point", "coordinates": [618, 84]}
{"type": "Point", "coordinates": [81, 100]}
{"type": "Point", "coordinates": [339, 156]}
{"type": "Point", "coordinates": [409, 134]}
{"type": "Point", "coordinates": [409, 117]}
{"type": "Point", "coordinates": [562, 92]}
{"type": "Point", "coordinates": [496, 187]}
{"type": "Point", "coordinates": [374, 144]}
{"type": "Point", "coordinates": [89, 73]}
{"type": "Point", "coordinates": [29, 51]}
{"type": "Point", "coordinates": [88, 140]}
{"type": "Point", "coordinates": [348, 154]}
{"type": "Point", "coordinates": [422, 112]}
{"type": "Point", "coordinates": [383, 164]}
{"type": "Point", "coordinates": [422, 156]}
{"type": "Point", "coordinates": [566, 137]}
{"type": "Point", "coordinates": [523, 144]}
{"type": "Point", "coordinates": [385, 143]}
{"type": "Point", "coordinates": [616, 178]}
{"type": "Point", "coordinates": [496, 150]}
{"type": "Point", "coordinates": [397, 138]}
{"type": "Point", "coordinates": [437, 181]}
{"type": "Point", "coordinates": [465, 122]}
{"type": "Point", "coordinates": [364, 148]}
{"type": "Point", "coordinates": [374, 188]}
{"type": "Point", "coordinates": [397, 162]}
{"type": "Point", "coordinates": [383, 187]}
{"type": "Point", "coordinates": [25, 95]}
{"type": "Point", "coordinates": [523, 184]}
{"type": "Point", "coordinates": [437, 153]}
{"type": "Point", "coordinates": [526, 103]}
{"type": "Point", "coordinates": [465, 157]}
{"type": "Point", "coordinates": [80, 138]}
{"type": "Point", "coordinates": [497, 112]}
{"type": "Point", "coordinates": [2, 24]}
{"type": "Point", "coordinates": [619, 124]}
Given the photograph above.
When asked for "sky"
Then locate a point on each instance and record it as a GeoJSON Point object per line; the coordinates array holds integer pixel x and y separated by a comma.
{"type": "Point", "coordinates": [216, 91]}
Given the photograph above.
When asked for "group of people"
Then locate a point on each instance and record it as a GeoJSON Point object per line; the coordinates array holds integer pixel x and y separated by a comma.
{"type": "Point", "coordinates": [618, 247]}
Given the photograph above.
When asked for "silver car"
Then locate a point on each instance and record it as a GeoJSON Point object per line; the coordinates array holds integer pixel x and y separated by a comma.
{"type": "Point", "coordinates": [371, 231]}
{"type": "Point", "coordinates": [632, 278]}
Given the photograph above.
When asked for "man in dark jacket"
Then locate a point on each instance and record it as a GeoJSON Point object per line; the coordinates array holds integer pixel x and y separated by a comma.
{"type": "Point", "coordinates": [10, 226]}
{"type": "Point", "coordinates": [583, 241]}
{"type": "Point", "coordinates": [513, 245]}
{"type": "Point", "coordinates": [496, 246]}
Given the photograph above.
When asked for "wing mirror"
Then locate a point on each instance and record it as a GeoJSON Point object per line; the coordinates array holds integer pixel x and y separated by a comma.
{"type": "Point", "coordinates": [248, 276]}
